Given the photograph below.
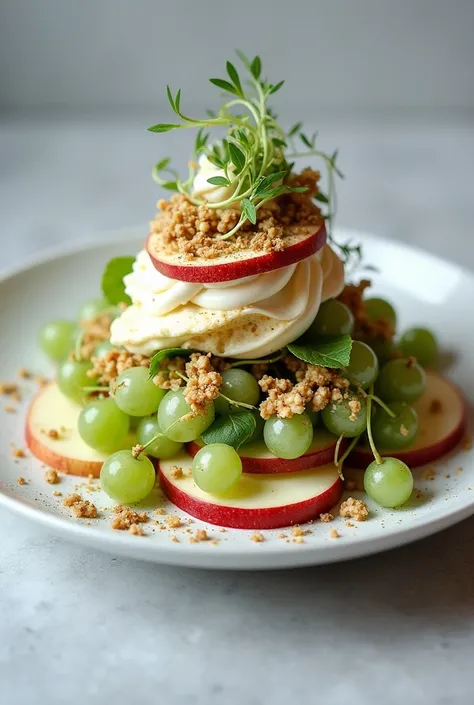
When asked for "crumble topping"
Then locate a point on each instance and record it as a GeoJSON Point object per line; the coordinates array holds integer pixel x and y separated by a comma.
{"type": "Point", "coordinates": [51, 476]}
{"type": "Point", "coordinates": [200, 535]}
{"type": "Point", "coordinates": [23, 373]}
{"type": "Point", "coordinates": [53, 434]}
{"type": "Point", "coordinates": [180, 227]}
{"type": "Point", "coordinates": [173, 521]}
{"type": "Point", "coordinates": [105, 369]}
{"type": "Point", "coordinates": [81, 508]}
{"type": "Point", "coordinates": [354, 509]}
{"type": "Point", "coordinates": [21, 480]}
{"type": "Point", "coordinates": [177, 472]}
{"type": "Point", "coordinates": [428, 473]}
{"type": "Point", "coordinates": [326, 518]}
{"type": "Point", "coordinates": [257, 537]}
{"type": "Point", "coordinates": [125, 518]}
{"type": "Point", "coordinates": [204, 383]}
{"type": "Point", "coordinates": [18, 453]}
{"type": "Point", "coordinates": [334, 534]}
{"type": "Point", "coordinates": [95, 331]}
{"type": "Point", "coordinates": [381, 329]}
{"type": "Point", "coordinates": [8, 388]}
{"type": "Point", "coordinates": [136, 530]}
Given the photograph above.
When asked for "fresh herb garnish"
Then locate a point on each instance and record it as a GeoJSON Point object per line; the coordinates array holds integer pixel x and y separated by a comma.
{"type": "Point", "coordinates": [166, 354]}
{"type": "Point", "coordinates": [233, 429]}
{"type": "Point", "coordinates": [252, 155]}
{"type": "Point", "coordinates": [332, 352]}
{"type": "Point", "coordinates": [113, 287]}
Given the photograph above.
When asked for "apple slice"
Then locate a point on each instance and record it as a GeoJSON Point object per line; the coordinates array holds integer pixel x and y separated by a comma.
{"type": "Point", "coordinates": [239, 264]}
{"type": "Point", "coordinates": [256, 458]}
{"type": "Point", "coordinates": [49, 411]}
{"type": "Point", "coordinates": [258, 501]}
{"type": "Point", "coordinates": [442, 416]}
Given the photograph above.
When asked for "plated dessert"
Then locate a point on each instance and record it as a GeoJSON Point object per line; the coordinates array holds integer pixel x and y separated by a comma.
{"type": "Point", "coordinates": [239, 359]}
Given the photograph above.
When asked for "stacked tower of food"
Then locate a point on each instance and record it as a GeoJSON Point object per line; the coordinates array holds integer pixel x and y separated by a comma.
{"type": "Point", "coordinates": [242, 362]}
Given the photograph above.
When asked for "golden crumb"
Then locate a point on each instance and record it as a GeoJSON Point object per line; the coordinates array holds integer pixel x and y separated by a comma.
{"type": "Point", "coordinates": [257, 537]}
{"type": "Point", "coordinates": [105, 369]}
{"type": "Point", "coordinates": [203, 383]}
{"type": "Point", "coordinates": [467, 443]}
{"type": "Point", "coordinates": [215, 542]}
{"type": "Point", "coordinates": [41, 381]}
{"type": "Point", "coordinates": [201, 535]}
{"type": "Point", "coordinates": [81, 508]}
{"type": "Point", "coordinates": [8, 388]}
{"type": "Point", "coordinates": [297, 530]}
{"type": "Point", "coordinates": [136, 530]}
{"type": "Point", "coordinates": [9, 409]}
{"type": "Point", "coordinates": [176, 472]}
{"type": "Point", "coordinates": [51, 476]}
{"type": "Point", "coordinates": [326, 518]}
{"type": "Point", "coordinates": [23, 373]}
{"type": "Point", "coordinates": [354, 509]}
{"type": "Point", "coordinates": [125, 517]}
{"type": "Point", "coordinates": [18, 453]}
{"type": "Point", "coordinates": [350, 524]}
{"type": "Point", "coordinates": [334, 534]}
{"type": "Point", "coordinates": [298, 539]}
{"type": "Point", "coordinates": [21, 480]}
{"type": "Point", "coordinates": [428, 473]}
{"type": "Point", "coordinates": [57, 493]}
{"type": "Point", "coordinates": [282, 536]}
{"type": "Point", "coordinates": [175, 539]}
{"type": "Point", "coordinates": [160, 511]}
{"type": "Point", "coordinates": [173, 521]}
{"type": "Point", "coordinates": [53, 433]}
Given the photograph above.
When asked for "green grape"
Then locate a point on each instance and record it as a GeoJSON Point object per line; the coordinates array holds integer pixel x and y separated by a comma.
{"type": "Point", "coordinates": [379, 308]}
{"type": "Point", "coordinates": [238, 385]}
{"type": "Point", "coordinates": [57, 339]}
{"type": "Point", "coordinates": [384, 349]}
{"type": "Point", "coordinates": [422, 344]}
{"type": "Point", "coordinates": [103, 426]}
{"type": "Point", "coordinates": [401, 380]}
{"type": "Point", "coordinates": [72, 378]}
{"type": "Point", "coordinates": [288, 438]}
{"type": "Point", "coordinates": [397, 433]}
{"type": "Point", "coordinates": [363, 367]}
{"type": "Point", "coordinates": [162, 447]}
{"type": "Point", "coordinates": [172, 419]}
{"type": "Point", "coordinates": [217, 468]}
{"type": "Point", "coordinates": [257, 435]}
{"type": "Point", "coordinates": [93, 308]}
{"type": "Point", "coordinates": [390, 483]}
{"type": "Point", "coordinates": [314, 416]}
{"type": "Point", "coordinates": [127, 479]}
{"type": "Point", "coordinates": [334, 318]}
{"type": "Point", "coordinates": [337, 417]}
{"type": "Point", "coordinates": [136, 394]}
{"type": "Point", "coordinates": [103, 348]}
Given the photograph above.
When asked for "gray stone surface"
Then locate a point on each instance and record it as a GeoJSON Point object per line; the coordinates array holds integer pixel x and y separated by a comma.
{"type": "Point", "coordinates": [77, 626]}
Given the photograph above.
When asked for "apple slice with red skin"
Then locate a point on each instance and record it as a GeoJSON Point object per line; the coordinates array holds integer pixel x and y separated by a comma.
{"type": "Point", "coordinates": [50, 411]}
{"type": "Point", "coordinates": [442, 416]}
{"type": "Point", "coordinates": [244, 263]}
{"type": "Point", "coordinates": [256, 458]}
{"type": "Point", "coordinates": [257, 501]}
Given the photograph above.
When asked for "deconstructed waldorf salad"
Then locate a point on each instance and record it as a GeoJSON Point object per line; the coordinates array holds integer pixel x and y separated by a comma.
{"type": "Point", "coordinates": [230, 358]}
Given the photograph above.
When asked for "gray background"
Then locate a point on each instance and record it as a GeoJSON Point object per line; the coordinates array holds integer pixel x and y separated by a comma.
{"type": "Point", "coordinates": [391, 84]}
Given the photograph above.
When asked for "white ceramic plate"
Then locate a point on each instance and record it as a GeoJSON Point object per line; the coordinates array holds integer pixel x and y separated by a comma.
{"type": "Point", "coordinates": [424, 289]}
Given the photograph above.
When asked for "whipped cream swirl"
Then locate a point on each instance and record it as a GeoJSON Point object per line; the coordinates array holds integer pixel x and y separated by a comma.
{"type": "Point", "coordinates": [246, 318]}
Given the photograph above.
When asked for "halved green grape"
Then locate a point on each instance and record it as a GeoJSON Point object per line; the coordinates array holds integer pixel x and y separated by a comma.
{"type": "Point", "coordinates": [314, 416]}
{"type": "Point", "coordinates": [238, 385]}
{"type": "Point", "coordinates": [94, 307]}
{"type": "Point", "coordinates": [422, 344]}
{"type": "Point", "coordinates": [390, 483]}
{"type": "Point", "coordinates": [288, 438]}
{"type": "Point", "coordinates": [401, 380]}
{"type": "Point", "coordinates": [380, 308]}
{"type": "Point", "coordinates": [127, 479]}
{"type": "Point", "coordinates": [348, 417]}
{"type": "Point", "coordinates": [334, 318]}
{"type": "Point", "coordinates": [72, 378]}
{"type": "Point", "coordinates": [57, 339]}
{"type": "Point", "coordinates": [103, 426]}
{"type": "Point", "coordinates": [103, 348]}
{"type": "Point", "coordinates": [177, 420]}
{"type": "Point", "coordinates": [217, 468]}
{"type": "Point", "coordinates": [399, 432]}
{"type": "Point", "coordinates": [162, 447]}
{"type": "Point", "coordinates": [363, 367]}
{"type": "Point", "coordinates": [136, 394]}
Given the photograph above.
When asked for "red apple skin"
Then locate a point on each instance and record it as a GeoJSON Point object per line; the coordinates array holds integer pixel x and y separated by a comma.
{"type": "Point", "coordinates": [270, 466]}
{"type": "Point", "coordinates": [228, 271]}
{"type": "Point", "coordinates": [241, 518]}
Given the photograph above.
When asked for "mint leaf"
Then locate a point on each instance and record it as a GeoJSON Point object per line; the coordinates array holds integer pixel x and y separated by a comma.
{"type": "Point", "coordinates": [249, 210]}
{"type": "Point", "coordinates": [166, 354]}
{"type": "Point", "coordinates": [218, 181]}
{"type": "Point", "coordinates": [233, 430]}
{"type": "Point", "coordinates": [163, 127]}
{"type": "Point", "coordinates": [113, 287]}
{"type": "Point", "coordinates": [331, 352]}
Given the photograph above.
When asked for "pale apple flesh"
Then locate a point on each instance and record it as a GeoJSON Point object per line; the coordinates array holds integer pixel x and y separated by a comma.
{"type": "Point", "coordinates": [442, 417]}
{"type": "Point", "coordinates": [257, 501]}
{"type": "Point", "coordinates": [240, 264]}
{"type": "Point", "coordinates": [256, 458]}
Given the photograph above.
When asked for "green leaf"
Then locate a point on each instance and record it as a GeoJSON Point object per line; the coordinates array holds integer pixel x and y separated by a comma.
{"type": "Point", "coordinates": [305, 141]}
{"type": "Point", "coordinates": [170, 98]}
{"type": "Point", "coordinates": [293, 130]}
{"type": "Point", "coordinates": [276, 87]}
{"type": "Point", "coordinates": [249, 210]}
{"type": "Point", "coordinates": [233, 429]}
{"type": "Point", "coordinates": [321, 197]}
{"type": "Point", "coordinates": [297, 189]}
{"type": "Point", "coordinates": [244, 59]}
{"type": "Point", "coordinates": [268, 181]}
{"type": "Point", "coordinates": [113, 287]}
{"type": "Point", "coordinates": [234, 77]}
{"type": "Point", "coordinates": [163, 127]}
{"type": "Point", "coordinates": [169, 185]}
{"type": "Point", "coordinates": [166, 354]}
{"type": "Point", "coordinates": [237, 156]}
{"type": "Point", "coordinates": [256, 67]}
{"type": "Point", "coordinates": [330, 352]}
{"type": "Point", "coordinates": [225, 85]}
{"type": "Point", "coordinates": [163, 164]}
{"type": "Point", "coordinates": [177, 101]}
{"type": "Point", "coordinates": [218, 181]}
{"type": "Point", "coordinates": [277, 142]}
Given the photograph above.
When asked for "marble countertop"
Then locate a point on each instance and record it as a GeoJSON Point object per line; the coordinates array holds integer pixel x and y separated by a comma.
{"type": "Point", "coordinates": [77, 626]}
